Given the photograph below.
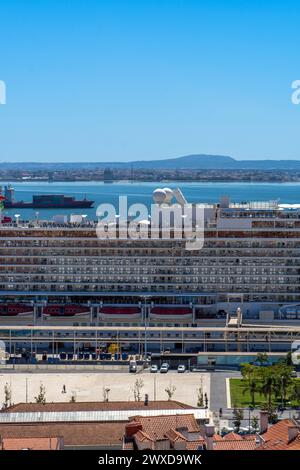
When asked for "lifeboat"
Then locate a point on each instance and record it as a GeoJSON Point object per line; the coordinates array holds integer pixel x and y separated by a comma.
{"type": "Point", "coordinates": [12, 310]}
{"type": "Point", "coordinates": [69, 310]}
{"type": "Point", "coordinates": [171, 313]}
{"type": "Point", "coordinates": [120, 313]}
{"type": "Point", "coordinates": [6, 220]}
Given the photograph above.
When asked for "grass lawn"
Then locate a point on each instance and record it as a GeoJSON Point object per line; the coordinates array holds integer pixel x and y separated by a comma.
{"type": "Point", "coordinates": [243, 400]}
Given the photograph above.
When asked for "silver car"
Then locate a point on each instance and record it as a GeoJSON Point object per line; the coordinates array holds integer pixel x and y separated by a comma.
{"type": "Point", "coordinates": [164, 368]}
{"type": "Point", "coordinates": [181, 369]}
{"type": "Point", "coordinates": [153, 368]}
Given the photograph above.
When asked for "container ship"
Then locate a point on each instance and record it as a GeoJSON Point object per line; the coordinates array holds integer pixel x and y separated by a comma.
{"type": "Point", "coordinates": [250, 259]}
{"type": "Point", "coordinates": [44, 201]}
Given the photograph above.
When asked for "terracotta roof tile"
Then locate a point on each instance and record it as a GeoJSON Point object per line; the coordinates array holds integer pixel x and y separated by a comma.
{"type": "Point", "coordinates": [195, 445]}
{"type": "Point", "coordinates": [277, 437]}
{"type": "Point", "coordinates": [234, 444]}
{"type": "Point", "coordinates": [232, 436]}
{"type": "Point", "coordinates": [174, 435]}
{"type": "Point", "coordinates": [74, 434]}
{"type": "Point", "coordinates": [157, 426]}
{"type": "Point", "coordinates": [142, 436]}
{"type": "Point", "coordinates": [217, 437]}
{"type": "Point", "coordinates": [96, 406]}
{"type": "Point", "coordinates": [173, 428]}
{"type": "Point", "coordinates": [32, 443]}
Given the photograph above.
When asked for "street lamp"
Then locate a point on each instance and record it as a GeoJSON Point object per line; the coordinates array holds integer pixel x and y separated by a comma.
{"type": "Point", "coordinates": [250, 408]}
{"type": "Point", "coordinates": [282, 405]}
{"type": "Point", "coordinates": [145, 297]}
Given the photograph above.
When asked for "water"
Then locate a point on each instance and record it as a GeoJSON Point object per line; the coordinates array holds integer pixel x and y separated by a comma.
{"type": "Point", "coordinates": [138, 192]}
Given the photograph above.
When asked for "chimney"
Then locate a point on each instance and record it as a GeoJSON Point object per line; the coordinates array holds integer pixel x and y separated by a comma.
{"type": "Point", "coordinates": [146, 401]}
{"type": "Point", "coordinates": [209, 431]}
{"type": "Point", "coordinates": [293, 432]}
{"type": "Point", "coordinates": [132, 428]}
{"type": "Point", "coordinates": [263, 422]}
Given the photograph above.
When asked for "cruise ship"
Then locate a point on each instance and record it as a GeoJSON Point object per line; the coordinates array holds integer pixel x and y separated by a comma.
{"type": "Point", "coordinates": [53, 271]}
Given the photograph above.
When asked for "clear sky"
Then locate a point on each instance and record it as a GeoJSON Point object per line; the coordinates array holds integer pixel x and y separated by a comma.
{"type": "Point", "coordinates": [103, 80]}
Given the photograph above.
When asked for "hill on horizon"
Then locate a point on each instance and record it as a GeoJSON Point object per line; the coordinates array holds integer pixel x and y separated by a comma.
{"type": "Point", "coordinates": [187, 162]}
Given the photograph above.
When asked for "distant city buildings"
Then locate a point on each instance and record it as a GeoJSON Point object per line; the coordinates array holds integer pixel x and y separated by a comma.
{"type": "Point", "coordinates": [135, 174]}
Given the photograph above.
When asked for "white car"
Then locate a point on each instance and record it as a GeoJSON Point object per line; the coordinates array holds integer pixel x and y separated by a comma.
{"type": "Point", "coordinates": [181, 369]}
{"type": "Point", "coordinates": [154, 368]}
{"type": "Point", "coordinates": [164, 368]}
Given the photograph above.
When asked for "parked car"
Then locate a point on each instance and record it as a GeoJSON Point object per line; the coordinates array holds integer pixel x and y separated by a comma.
{"type": "Point", "coordinates": [164, 368]}
{"type": "Point", "coordinates": [153, 368]}
{"type": "Point", "coordinates": [181, 369]}
{"type": "Point", "coordinates": [132, 367]}
{"type": "Point", "coordinates": [294, 374]}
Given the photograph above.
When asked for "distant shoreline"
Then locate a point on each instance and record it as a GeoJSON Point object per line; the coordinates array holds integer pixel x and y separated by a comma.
{"type": "Point", "coordinates": [150, 181]}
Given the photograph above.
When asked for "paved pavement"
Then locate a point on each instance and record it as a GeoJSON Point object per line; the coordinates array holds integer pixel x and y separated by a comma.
{"type": "Point", "coordinates": [89, 386]}
{"type": "Point", "coordinates": [218, 393]}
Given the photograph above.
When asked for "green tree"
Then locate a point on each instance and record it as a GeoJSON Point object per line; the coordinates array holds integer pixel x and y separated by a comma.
{"type": "Point", "coordinates": [294, 392]}
{"type": "Point", "coordinates": [137, 389]}
{"type": "Point", "coordinates": [248, 371]}
{"type": "Point", "coordinates": [281, 374]}
{"type": "Point", "coordinates": [255, 423]}
{"type": "Point", "coordinates": [41, 398]}
{"type": "Point", "coordinates": [262, 358]}
{"type": "Point", "coordinates": [252, 388]}
{"type": "Point", "coordinates": [7, 396]}
{"type": "Point", "coordinates": [170, 391]}
{"type": "Point", "coordinates": [238, 415]}
{"type": "Point", "coordinates": [267, 386]}
{"type": "Point", "coordinates": [288, 358]}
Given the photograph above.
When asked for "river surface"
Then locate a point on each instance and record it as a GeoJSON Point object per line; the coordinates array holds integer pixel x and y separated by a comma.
{"type": "Point", "coordinates": [138, 192]}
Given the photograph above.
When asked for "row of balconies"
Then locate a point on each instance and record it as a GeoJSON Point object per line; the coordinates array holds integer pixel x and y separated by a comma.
{"type": "Point", "coordinates": [133, 288]}
{"type": "Point", "coordinates": [149, 245]}
{"type": "Point", "coordinates": [217, 262]}
{"type": "Point", "coordinates": [184, 255]}
{"type": "Point", "coordinates": [183, 271]}
{"type": "Point", "coordinates": [203, 283]}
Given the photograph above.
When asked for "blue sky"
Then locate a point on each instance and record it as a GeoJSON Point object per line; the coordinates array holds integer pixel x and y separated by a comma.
{"type": "Point", "coordinates": [99, 80]}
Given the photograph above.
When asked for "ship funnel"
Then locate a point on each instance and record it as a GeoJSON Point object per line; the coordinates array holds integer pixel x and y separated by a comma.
{"type": "Point", "coordinates": [224, 202]}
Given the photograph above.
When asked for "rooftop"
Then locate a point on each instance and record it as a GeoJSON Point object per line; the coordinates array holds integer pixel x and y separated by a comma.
{"type": "Point", "coordinates": [95, 411]}
{"type": "Point", "coordinates": [31, 443]}
{"type": "Point", "coordinates": [103, 434]}
{"type": "Point", "coordinates": [235, 444]}
{"type": "Point", "coordinates": [284, 435]}
{"type": "Point", "coordinates": [163, 432]}
{"type": "Point", "coordinates": [96, 406]}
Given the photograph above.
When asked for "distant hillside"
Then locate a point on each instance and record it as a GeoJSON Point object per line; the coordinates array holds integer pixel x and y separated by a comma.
{"type": "Point", "coordinates": [188, 162]}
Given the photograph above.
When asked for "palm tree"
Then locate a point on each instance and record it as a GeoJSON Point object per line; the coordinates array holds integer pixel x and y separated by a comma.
{"type": "Point", "coordinates": [262, 358]}
{"type": "Point", "coordinates": [267, 388]}
{"type": "Point", "coordinates": [295, 393]}
{"type": "Point", "coordinates": [252, 388]}
{"type": "Point", "coordinates": [281, 375]}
